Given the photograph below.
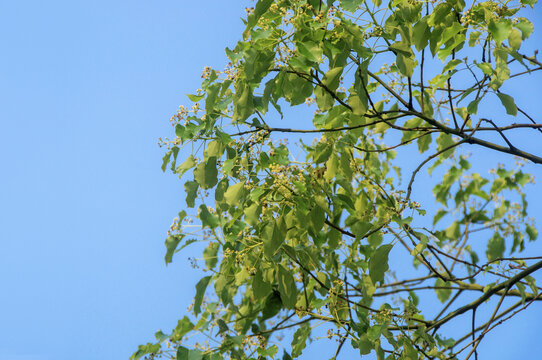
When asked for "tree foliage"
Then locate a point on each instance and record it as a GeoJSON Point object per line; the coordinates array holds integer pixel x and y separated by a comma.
{"type": "Point", "coordinates": [324, 219]}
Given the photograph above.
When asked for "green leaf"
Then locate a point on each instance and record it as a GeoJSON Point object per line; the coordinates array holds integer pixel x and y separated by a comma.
{"type": "Point", "coordinates": [296, 89]}
{"type": "Point", "coordinates": [473, 38]}
{"type": "Point", "coordinates": [444, 141]}
{"type": "Point", "coordinates": [525, 26]}
{"type": "Point", "coordinates": [212, 93]}
{"type": "Point", "coordinates": [406, 64]}
{"type": "Point", "coordinates": [497, 186]}
{"type": "Point", "coordinates": [260, 287]}
{"type": "Point", "coordinates": [257, 63]}
{"type": "Point", "coordinates": [267, 352]}
{"type": "Point", "coordinates": [378, 263]}
{"type": "Point", "coordinates": [206, 174]}
{"type": "Point", "coordinates": [252, 214]}
{"type": "Point", "coordinates": [500, 29]}
{"type": "Point", "coordinates": [171, 245]}
{"type": "Point", "coordinates": [272, 305]}
{"type": "Point", "coordinates": [194, 354]}
{"type": "Point", "coordinates": [514, 39]}
{"type": "Point", "coordinates": [409, 352]}
{"type": "Point", "coordinates": [201, 286]}
{"type": "Point", "coordinates": [332, 166]}
{"type": "Point", "coordinates": [401, 48]}
{"type": "Point", "coordinates": [528, 2]}
{"type": "Point", "coordinates": [311, 50]}
{"type": "Point", "coordinates": [209, 255]}
{"type": "Point", "coordinates": [317, 217]}
{"type": "Point", "coordinates": [421, 34]}
{"type": "Point", "coordinates": [144, 350]}
{"type": "Point", "coordinates": [365, 345]}
{"type": "Point", "coordinates": [322, 153]}
{"type": "Point", "coordinates": [472, 108]}
{"type": "Point", "coordinates": [165, 160]}
{"type": "Point", "coordinates": [214, 149]}
{"type": "Point", "coordinates": [531, 281]}
{"type": "Point", "coordinates": [182, 353]}
{"type": "Point", "coordinates": [358, 102]}
{"type": "Point", "coordinates": [424, 142]}
{"type": "Point", "coordinates": [207, 219]}
{"type": "Point", "coordinates": [521, 289]}
{"type": "Point", "coordinates": [261, 8]}
{"type": "Point", "coordinates": [485, 67]}
{"type": "Point", "coordinates": [273, 239]}
{"type": "Point", "coordinates": [508, 103]}
{"type": "Point", "coordinates": [531, 231]}
{"type": "Point", "coordinates": [243, 101]}
{"type": "Point", "coordinates": [286, 356]}
{"type": "Point", "coordinates": [439, 216]}
{"type": "Point", "coordinates": [191, 190]}
{"type": "Point", "coordinates": [442, 294]}
{"type": "Point", "coordinates": [451, 65]}
{"type": "Point", "coordinates": [234, 194]}
{"type": "Point", "coordinates": [495, 247]}
{"type": "Point", "coordinates": [184, 326]}
{"type": "Point", "coordinates": [287, 287]}
{"type": "Point", "coordinates": [299, 340]}
{"type": "Point", "coordinates": [195, 98]}
{"type": "Point", "coordinates": [453, 232]}
{"type": "Point", "coordinates": [332, 78]}
{"type": "Point", "coordinates": [188, 164]}
{"type": "Point", "coordinates": [324, 100]}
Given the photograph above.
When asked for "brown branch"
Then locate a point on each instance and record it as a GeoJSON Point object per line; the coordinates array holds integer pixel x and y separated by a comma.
{"type": "Point", "coordinates": [472, 140]}
{"type": "Point", "coordinates": [506, 284]}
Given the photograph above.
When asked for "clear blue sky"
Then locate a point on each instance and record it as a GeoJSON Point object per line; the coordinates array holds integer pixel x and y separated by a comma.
{"type": "Point", "coordinates": [86, 90]}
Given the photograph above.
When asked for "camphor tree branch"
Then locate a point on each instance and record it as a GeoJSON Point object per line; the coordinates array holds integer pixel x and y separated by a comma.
{"type": "Point", "coordinates": [302, 236]}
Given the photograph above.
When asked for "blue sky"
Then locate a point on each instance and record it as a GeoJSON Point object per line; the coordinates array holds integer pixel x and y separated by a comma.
{"type": "Point", "coordinates": [87, 89]}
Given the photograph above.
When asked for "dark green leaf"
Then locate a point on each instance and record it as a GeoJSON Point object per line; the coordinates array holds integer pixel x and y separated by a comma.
{"type": "Point", "coordinates": [421, 33]}
{"type": "Point", "coordinates": [287, 287]}
{"type": "Point", "coordinates": [171, 245]}
{"type": "Point", "coordinates": [191, 190]}
{"type": "Point", "coordinates": [508, 103]}
{"type": "Point", "coordinates": [378, 263]}
{"type": "Point", "coordinates": [299, 341]}
{"type": "Point", "coordinates": [183, 327]}
{"type": "Point", "coordinates": [317, 218]}
{"type": "Point", "coordinates": [201, 286]}
{"type": "Point", "coordinates": [165, 160]}
{"type": "Point", "coordinates": [272, 305]}
{"type": "Point", "coordinates": [260, 287]}
{"type": "Point", "coordinates": [472, 108]}
{"type": "Point", "coordinates": [273, 239]}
